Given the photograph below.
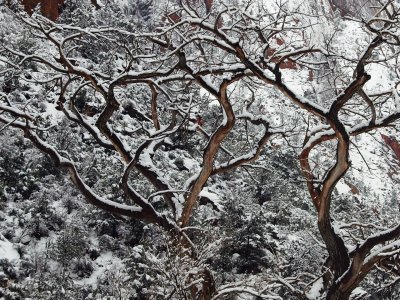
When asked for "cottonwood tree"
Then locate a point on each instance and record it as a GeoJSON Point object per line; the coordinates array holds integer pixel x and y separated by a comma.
{"type": "Point", "coordinates": [141, 97]}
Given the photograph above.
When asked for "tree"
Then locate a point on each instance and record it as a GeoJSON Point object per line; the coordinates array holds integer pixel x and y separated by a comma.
{"type": "Point", "coordinates": [137, 98]}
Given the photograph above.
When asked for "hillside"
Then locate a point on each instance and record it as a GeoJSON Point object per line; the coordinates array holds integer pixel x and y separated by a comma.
{"type": "Point", "coordinates": [200, 150]}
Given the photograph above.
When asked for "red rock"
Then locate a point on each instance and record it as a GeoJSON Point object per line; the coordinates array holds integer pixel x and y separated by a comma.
{"type": "Point", "coordinates": [49, 8]}
{"type": "Point", "coordinates": [393, 144]}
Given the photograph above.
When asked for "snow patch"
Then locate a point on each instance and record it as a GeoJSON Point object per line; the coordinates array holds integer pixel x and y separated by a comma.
{"type": "Point", "coordinates": [7, 250]}
{"type": "Point", "coordinates": [358, 293]}
{"type": "Point", "coordinates": [315, 292]}
{"type": "Point", "coordinates": [342, 188]}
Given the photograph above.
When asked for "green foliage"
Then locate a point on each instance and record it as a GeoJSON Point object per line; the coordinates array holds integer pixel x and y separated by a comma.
{"type": "Point", "coordinates": [69, 245]}
{"type": "Point", "coordinates": [248, 246]}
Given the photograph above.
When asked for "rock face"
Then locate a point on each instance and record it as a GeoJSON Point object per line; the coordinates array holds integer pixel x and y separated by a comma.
{"type": "Point", "coordinates": [50, 8]}
{"type": "Point", "coordinates": [353, 8]}
{"type": "Point", "coordinates": [393, 144]}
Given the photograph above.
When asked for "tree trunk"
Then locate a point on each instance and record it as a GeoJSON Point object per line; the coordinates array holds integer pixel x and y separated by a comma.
{"type": "Point", "coordinates": [335, 247]}
{"type": "Point", "coordinates": [334, 293]}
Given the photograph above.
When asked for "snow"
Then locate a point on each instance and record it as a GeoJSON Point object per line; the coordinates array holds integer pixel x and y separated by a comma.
{"type": "Point", "coordinates": [358, 293]}
{"type": "Point", "coordinates": [210, 84]}
{"type": "Point", "coordinates": [213, 40]}
{"type": "Point", "coordinates": [190, 180]}
{"type": "Point", "coordinates": [216, 190]}
{"type": "Point", "coordinates": [315, 291]}
{"type": "Point", "coordinates": [7, 250]}
{"type": "Point", "coordinates": [342, 187]}
{"type": "Point", "coordinates": [214, 198]}
{"type": "Point", "coordinates": [380, 78]}
{"type": "Point", "coordinates": [387, 250]}
{"type": "Point", "coordinates": [190, 164]}
{"type": "Point", "coordinates": [318, 136]}
{"type": "Point", "coordinates": [106, 261]}
{"type": "Point", "coordinates": [368, 167]}
{"type": "Point", "coordinates": [51, 111]}
{"type": "Point", "coordinates": [396, 98]}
